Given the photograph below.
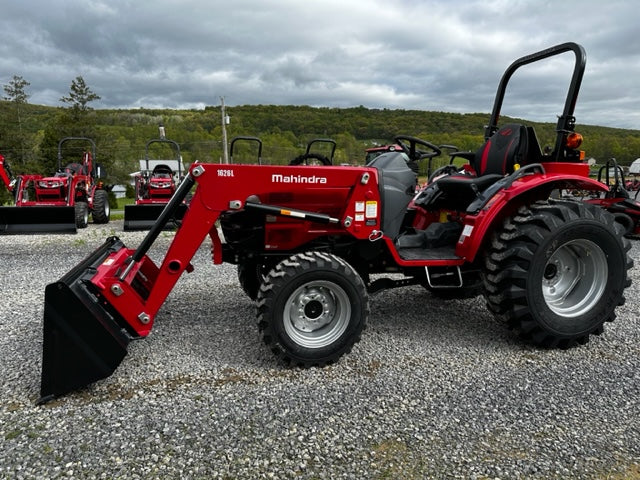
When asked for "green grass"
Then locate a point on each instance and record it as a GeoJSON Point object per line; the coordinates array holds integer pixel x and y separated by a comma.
{"type": "Point", "coordinates": [124, 201]}
{"type": "Point", "coordinates": [117, 212]}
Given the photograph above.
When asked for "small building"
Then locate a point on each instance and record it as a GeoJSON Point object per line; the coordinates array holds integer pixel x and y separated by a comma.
{"type": "Point", "coordinates": [119, 191]}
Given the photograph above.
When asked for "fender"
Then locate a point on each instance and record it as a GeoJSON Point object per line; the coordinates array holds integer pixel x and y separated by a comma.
{"type": "Point", "coordinates": [478, 226]}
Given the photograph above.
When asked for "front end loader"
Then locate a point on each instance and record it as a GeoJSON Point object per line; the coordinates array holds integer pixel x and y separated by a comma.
{"type": "Point", "coordinates": [311, 243]}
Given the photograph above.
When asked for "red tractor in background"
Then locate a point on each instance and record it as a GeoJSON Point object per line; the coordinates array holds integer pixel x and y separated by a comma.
{"type": "Point", "coordinates": [237, 140]}
{"type": "Point", "coordinates": [155, 183]}
{"type": "Point", "coordinates": [621, 200]}
{"type": "Point", "coordinates": [59, 203]}
{"type": "Point", "coordinates": [317, 157]}
{"type": "Point", "coordinates": [311, 243]}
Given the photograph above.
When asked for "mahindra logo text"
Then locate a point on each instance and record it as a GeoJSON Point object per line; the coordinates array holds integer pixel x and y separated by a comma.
{"type": "Point", "coordinates": [280, 178]}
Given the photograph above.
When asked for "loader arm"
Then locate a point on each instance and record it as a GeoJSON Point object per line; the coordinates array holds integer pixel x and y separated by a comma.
{"type": "Point", "coordinates": [222, 189]}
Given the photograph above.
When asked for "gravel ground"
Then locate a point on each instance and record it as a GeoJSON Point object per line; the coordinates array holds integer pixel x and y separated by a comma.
{"type": "Point", "coordinates": [435, 389]}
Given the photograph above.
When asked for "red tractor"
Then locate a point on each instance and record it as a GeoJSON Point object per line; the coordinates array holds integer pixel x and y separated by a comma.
{"type": "Point", "coordinates": [621, 200]}
{"type": "Point", "coordinates": [312, 242]}
{"type": "Point", "coordinates": [60, 203]}
{"type": "Point", "coordinates": [316, 158]}
{"type": "Point", "coordinates": [236, 141]}
{"type": "Point", "coordinates": [155, 184]}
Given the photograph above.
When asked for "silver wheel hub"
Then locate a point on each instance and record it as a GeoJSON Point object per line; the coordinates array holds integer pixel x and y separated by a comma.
{"type": "Point", "coordinates": [317, 314]}
{"type": "Point", "coordinates": [314, 309]}
{"type": "Point", "coordinates": [574, 278]}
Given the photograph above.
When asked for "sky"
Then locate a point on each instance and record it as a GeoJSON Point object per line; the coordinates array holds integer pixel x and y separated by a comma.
{"type": "Point", "coordinates": [434, 55]}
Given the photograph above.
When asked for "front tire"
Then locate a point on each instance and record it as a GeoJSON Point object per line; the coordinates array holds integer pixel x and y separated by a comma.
{"type": "Point", "coordinates": [312, 309]}
{"type": "Point", "coordinates": [82, 214]}
{"type": "Point", "coordinates": [556, 271]}
{"type": "Point", "coordinates": [101, 208]}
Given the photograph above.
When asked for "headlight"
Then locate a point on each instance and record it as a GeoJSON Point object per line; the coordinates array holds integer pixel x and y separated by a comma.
{"type": "Point", "coordinates": [160, 185]}
{"type": "Point", "coordinates": [49, 184]}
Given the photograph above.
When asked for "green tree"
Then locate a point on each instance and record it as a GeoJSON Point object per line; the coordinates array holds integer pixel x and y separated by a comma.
{"type": "Point", "coordinates": [15, 90]}
{"type": "Point", "coordinates": [80, 95]}
{"type": "Point", "coordinates": [77, 120]}
{"type": "Point", "coordinates": [17, 139]}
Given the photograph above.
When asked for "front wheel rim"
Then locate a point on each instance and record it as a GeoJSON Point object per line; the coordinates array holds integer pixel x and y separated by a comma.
{"type": "Point", "coordinates": [575, 278]}
{"type": "Point", "coordinates": [316, 314]}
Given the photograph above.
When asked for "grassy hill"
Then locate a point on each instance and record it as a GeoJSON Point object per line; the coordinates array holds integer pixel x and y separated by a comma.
{"type": "Point", "coordinates": [29, 141]}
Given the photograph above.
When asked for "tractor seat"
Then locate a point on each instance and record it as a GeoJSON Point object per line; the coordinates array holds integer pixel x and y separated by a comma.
{"type": "Point", "coordinates": [162, 171]}
{"type": "Point", "coordinates": [74, 169]}
{"type": "Point", "coordinates": [511, 145]}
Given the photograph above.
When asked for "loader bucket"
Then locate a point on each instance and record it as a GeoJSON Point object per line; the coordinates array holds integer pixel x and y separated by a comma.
{"type": "Point", "coordinates": [83, 341]}
{"type": "Point", "coordinates": [85, 338]}
{"type": "Point", "coordinates": [37, 219]}
{"type": "Point", "coordinates": [143, 217]}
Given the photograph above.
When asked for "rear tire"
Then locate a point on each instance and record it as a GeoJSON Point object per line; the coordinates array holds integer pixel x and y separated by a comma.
{"type": "Point", "coordinates": [82, 214]}
{"type": "Point", "coordinates": [251, 274]}
{"type": "Point", "coordinates": [101, 208]}
{"type": "Point", "coordinates": [556, 271]}
{"type": "Point", "coordinates": [312, 309]}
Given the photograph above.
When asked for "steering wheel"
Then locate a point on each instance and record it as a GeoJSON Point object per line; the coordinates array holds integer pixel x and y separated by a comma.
{"type": "Point", "coordinates": [409, 146]}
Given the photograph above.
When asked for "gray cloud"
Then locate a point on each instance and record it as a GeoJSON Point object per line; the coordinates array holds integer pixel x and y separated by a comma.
{"type": "Point", "coordinates": [412, 54]}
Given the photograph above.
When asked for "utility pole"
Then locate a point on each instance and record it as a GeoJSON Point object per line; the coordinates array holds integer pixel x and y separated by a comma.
{"type": "Point", "coordinates": [225, 120]}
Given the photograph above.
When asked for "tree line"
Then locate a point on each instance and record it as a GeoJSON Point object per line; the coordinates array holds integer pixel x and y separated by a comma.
{"type": "Point", "coordinates": [29, 134]}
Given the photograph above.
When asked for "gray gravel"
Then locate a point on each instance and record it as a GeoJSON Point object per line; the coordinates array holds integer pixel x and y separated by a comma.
{"type": "Point", "coordinates": [434, 390]}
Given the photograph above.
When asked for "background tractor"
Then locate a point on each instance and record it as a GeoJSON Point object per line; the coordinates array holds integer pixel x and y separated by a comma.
{"type": "Point", "coordinates": [621, 199]}
{"type": "Point", "coordinates": [310, 157]}
{"type": "Point", "coordinates": [58, 203]}
{"type": "Point", "coordinates": [155, 183]}
{"type": "Point", "coordinates": [235, 141]}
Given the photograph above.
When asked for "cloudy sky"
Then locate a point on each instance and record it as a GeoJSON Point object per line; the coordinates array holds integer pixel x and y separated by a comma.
{"type": "Point", "coordinates": [443, 55]}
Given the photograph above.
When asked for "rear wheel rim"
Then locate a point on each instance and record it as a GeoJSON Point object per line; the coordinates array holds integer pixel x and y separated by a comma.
{"type": "Point", "coordinates": [316, 314]}
{"type": "Point", "coordinates": [575, 278]}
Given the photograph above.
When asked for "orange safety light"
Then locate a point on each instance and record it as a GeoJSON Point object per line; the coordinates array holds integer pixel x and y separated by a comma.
{"type": "Point", "coordinates": [574, 140]}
